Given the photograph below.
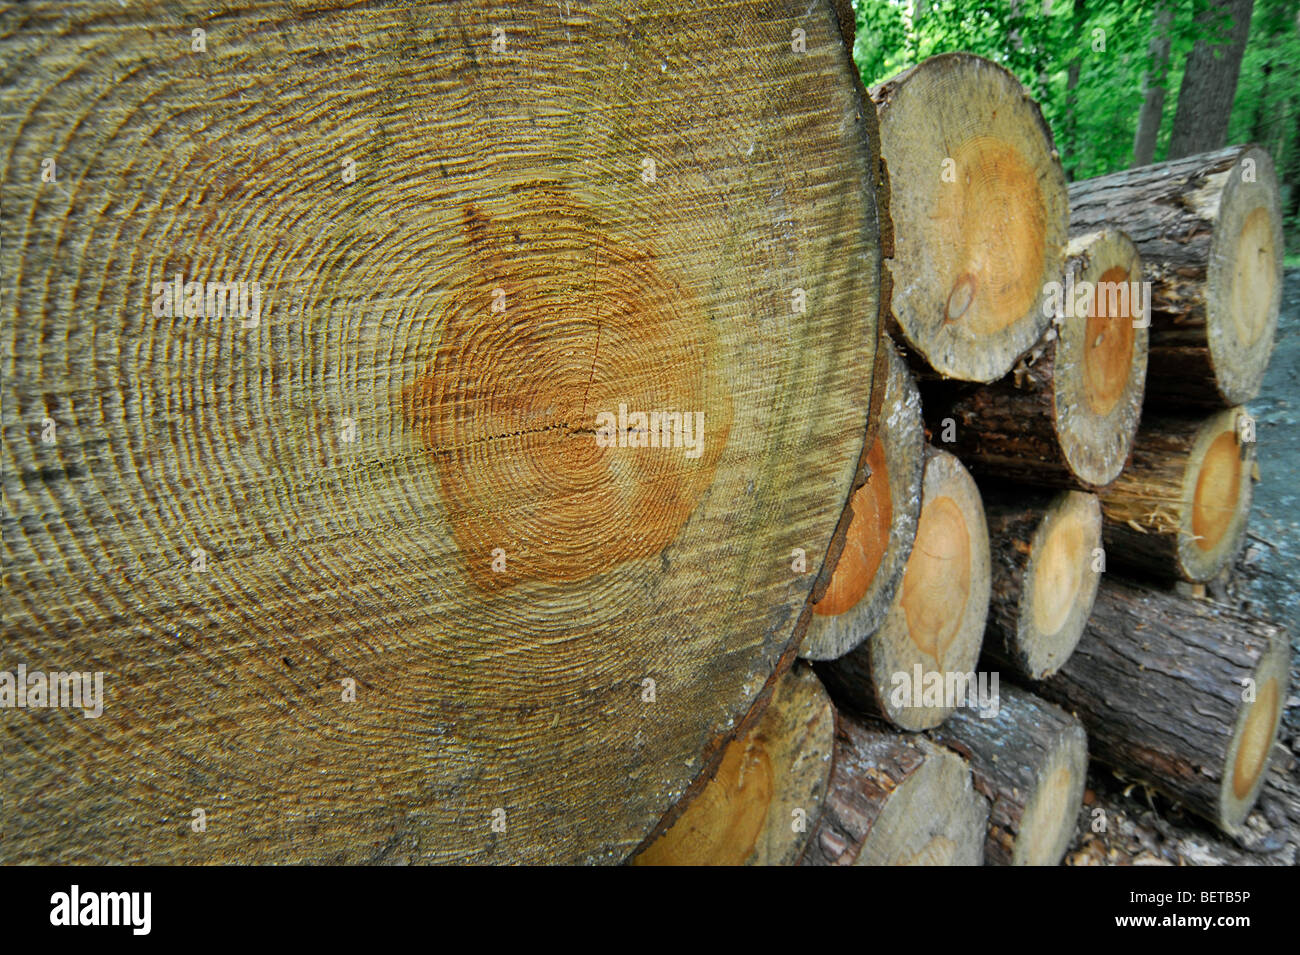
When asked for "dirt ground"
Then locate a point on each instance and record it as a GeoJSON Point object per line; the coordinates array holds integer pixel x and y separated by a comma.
{"type": "Point", "coordinates": [1140, 827]}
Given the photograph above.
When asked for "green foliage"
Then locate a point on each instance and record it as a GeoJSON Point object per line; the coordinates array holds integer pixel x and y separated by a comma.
{"type": "Point", "coordinates": [1093, 109]}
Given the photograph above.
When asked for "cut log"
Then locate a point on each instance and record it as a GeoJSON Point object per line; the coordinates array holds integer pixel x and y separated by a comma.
{"type": "Point", "coordinates": [366, 564]}
{"type": "Point", "coordinates": [897, 799]}
{"type": "Point", "coordinates": [1185, 695]}
{"type": "Point", "coordinates": [1047, 561]}
{"type": "Point", "coordinates": [1030, 761]}
{"type": "Point", "coordinates": [936, 623]}
{"type": "Point", "coordinates": [1067, 414]}
{"type": "Point", "coordinates": [1180, 508]}
{"type": "Point", "coordinates": [1209, 230]}
{"type": "Point", "coordinates": [767, 793]}
{"type": "Point", "coordinates": [980, 212]}
{"type": "Point", "coordinates": [882, 525]}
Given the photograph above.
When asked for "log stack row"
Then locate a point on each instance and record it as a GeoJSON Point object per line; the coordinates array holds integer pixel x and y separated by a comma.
{"type": "Point", "coordinates": [1063, 436]}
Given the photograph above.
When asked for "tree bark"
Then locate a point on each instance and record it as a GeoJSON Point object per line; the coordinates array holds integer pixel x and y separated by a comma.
{"type": "Point", "coordinates": [896, 799]}
{"type": "Point", "coordinates": [1184, 695]}
{"type": "Point", "coordinates": [1209, 231]}
{"type": "Point", "coordinates": [473, 237]}
{"type": "Point", "coordinates": [978, 199]}
{"type": "Point", "coordinates": [1030, 761]}
{"type": "Point", "coordinates": [1210, 81]}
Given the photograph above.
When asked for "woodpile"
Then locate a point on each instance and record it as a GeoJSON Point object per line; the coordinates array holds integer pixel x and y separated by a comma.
{"type": "Point", "coordinates": [559, 507]}
{"type": "Point", "coordinates": [1081, 480]}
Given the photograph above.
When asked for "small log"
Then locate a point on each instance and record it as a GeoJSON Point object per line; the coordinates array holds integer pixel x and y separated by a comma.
{"type": "Point", "coordinates": [1067, 414]}
{"type": "Point", "coordinates": [882, 526]}
{"type": "Point", "coordinates": [758, 807]}
{"type": "Point", "coordinates": [1185, 695]}
{"type": "Point", "coordinates": [935, 625]}
{"type": "Point", "coordinates": [896, 799]}
{"type": "Point", "coordinates": [1209, 230]}
{"type": "Point", "coordinates": [1180, 508]}
{"type": "Point", "coordinates": [980, 213]}
{"type": "Point", "coordinates": [1047, 562]}
{"type": "Point", "coordinates": [1030, 761]}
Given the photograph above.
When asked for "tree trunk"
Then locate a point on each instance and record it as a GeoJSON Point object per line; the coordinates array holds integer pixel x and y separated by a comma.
{"type": "Point", "coordinates": [1180, 508]}
{"type": "Point", "coordinates": [404, 476]}
{"type": "Point", "coordinates": [1030, 761]}
{"type": "Point", "coordinates": [1047, 561]}
{"type": "Point", "coordinates": [1185, 695]}
{"type": "Point", "coordinates": [896, 799]}
{"type": "Point", "coordinates": [978, 201]}
{"type": "Point", "coordinates": [1067, 414]}
{"type": "Point", "coordinates": [884, 511]}
{"type": "Point", "coordinates": [1153, 86]}
{"type": "Point", "coordinates": [1210, 81]}
{"type": "Point", "coordinates": [1071, 137]}
{"type": "Point", "coordinates": [768, 791]}
{"type": "Point", "coordinates": [935, 626]}
{"type": "Point", "coordinates": [1209, 232]}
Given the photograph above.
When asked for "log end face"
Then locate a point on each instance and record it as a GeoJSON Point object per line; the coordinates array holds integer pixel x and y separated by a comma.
{"type": "Point", "coordinates": [1216, 496]}
{"type": "Point", "coordinates": [980, 210]}
{"type": "Point", "coordinates": [935, 817]}
{"type": "Point", "coordinates": [768, 790]}
{"type": "Point", "coordinates": [882, 528]}
{"type": "Point", "coordinates": [1048, 822]}
{"type": "Point", "coordinates": [1063, 574]}
{"type": "Point", "coordinates": [867, 540]}
{"type": "Point", "coordinates": [1100, 368]}
{"type": "Point", "coordinates": [936, 626]}
{"type": "Point", "coordinates": [1258, 722]}
{"type": "Point", "coordinates": [1244, 277]}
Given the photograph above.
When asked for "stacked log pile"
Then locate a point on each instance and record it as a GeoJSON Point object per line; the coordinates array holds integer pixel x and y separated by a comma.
{"type": "Point", "coordinates": [1112, 456]}
{"type": "Point", "coordinates": [839, 522]}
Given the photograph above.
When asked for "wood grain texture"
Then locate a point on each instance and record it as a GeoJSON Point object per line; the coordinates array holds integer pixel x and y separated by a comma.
{"type": "Point", "coordinates": [882, 524]}
{"type": "Point", "coordinates": [980, 212]}
{"type": "Point", "coordinates": [767, 793]}
{"type": "Point", "coordinates": [350, 464]}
